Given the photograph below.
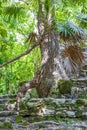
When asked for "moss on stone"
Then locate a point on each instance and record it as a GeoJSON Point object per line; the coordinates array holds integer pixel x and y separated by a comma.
{"type": "Point", "coordinates": [34, 93]}
{"type": "Point", "coordinates": [54, 92]}
{"type": "Point", "coordinates": [30, 104]}
{"type": "Point", "coordinates": [84, 67]}
{"type": "Point", "coordinates": [41, 126]}
{"type": "Point", "coordinates": [36, 118]}
{"type": "Point", "coordinates": [81, 102]}
{"type": "Point", "coordinates": [78, 113]}
{"type": "Point", "coordinates": [8, 125]}
{"type": "Point", "coordinates": [83, 94]}
{"type": "Point", "coordinates": [65, 86]}
{"type": "Point", "coordinates": [49, 118]}
{"type": "Point", "coordinates": [18, 119]}
{"type": "Point", "coordinates": [22, 104]}
{"type": "Point", "coordinates": [1, 108]}
{"type": "Point", "coordinates": [25, 123]}
{"type": "Point", "coordinates": [1, 125]}
{"type": "Point", "coordinates": [23, 112]}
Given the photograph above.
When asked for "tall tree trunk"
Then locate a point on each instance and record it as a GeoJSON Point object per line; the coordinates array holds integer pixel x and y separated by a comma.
{"type": "Point", "coordinates": [49, 48]}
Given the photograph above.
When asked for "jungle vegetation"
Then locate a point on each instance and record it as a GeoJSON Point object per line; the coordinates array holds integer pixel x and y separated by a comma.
{"type": "Point", "coordinates": [30, 34]}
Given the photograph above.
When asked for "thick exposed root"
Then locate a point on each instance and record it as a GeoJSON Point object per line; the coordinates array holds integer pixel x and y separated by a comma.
{"type": "Point", "coordinates": [23, 89]}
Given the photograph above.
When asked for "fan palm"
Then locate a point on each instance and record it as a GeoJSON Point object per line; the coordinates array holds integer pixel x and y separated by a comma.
{"type": "Point", "coordinates": [71, 33]}
{"type": "Point", "coordinates": [72, 55]}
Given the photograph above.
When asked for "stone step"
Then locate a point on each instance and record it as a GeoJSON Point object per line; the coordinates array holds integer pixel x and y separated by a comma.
{"type": "Point", "coordinates": [77, 92]}
{"type": "Point", "coordinates": [7, 118]}
{"type": "Point", "coordinates": [9, 100]}
{"type": "Point", "coordinates": [74, 88]}
{"type": "Point", "coordinates": [8, 96]}
{"type": "Point", "coordinates": [81, 79]}
{"type": "Point", "coordinates": [3, 107]}
{"type": "Point", "coordinates": [7, 113]}
{"type": "Point", "coordinates": [54, 107]}
{"type": "Point", "coordinates": [7, 106]}
{"type": "Point", "coordinates": [60, 124]}
{"type": "Point", "coordinates": [53, 125]}
{"type": "Point", "coordinates": [45, 108]}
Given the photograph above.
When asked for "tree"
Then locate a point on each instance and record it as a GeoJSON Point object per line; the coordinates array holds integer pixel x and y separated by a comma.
{"type": "Point", "coordinates": [48, 41]}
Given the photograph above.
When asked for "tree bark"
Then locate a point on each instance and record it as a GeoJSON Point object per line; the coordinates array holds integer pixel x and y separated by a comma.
{"type": "Point", "coordinates": [49, 46]}
{"type": "Point", "coordinates": [49, 49]}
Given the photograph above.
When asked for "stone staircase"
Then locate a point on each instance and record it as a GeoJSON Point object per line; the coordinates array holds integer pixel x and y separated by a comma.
{"type": "Point", "coordinates": [6, 104]}
{"type": "Point", "coordinates": [60, 113]}
{"type": "Point", "coordinates": [7, 112]}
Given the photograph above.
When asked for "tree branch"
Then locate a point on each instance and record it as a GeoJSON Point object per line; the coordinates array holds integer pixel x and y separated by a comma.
{"type": "Point", "coordinates": [19, 56]}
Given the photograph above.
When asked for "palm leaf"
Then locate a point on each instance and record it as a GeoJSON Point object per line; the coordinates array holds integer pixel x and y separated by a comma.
{"type": "Point", "coordinates": [73, 58]}
{"type": "Point", "coordinates": [82, 17]}
{"type": "Point", "coordinates": [71, 33]}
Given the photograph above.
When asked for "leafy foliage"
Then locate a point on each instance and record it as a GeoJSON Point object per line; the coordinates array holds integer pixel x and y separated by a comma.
{"type": "Point", "coordinates": [17, 20]}
{"type": "Point", "coordinates": [71, 33]}
{"type": "Point", "coordinates": [82, 19]}
{"type": "Point", "coordinates": [13, 11]}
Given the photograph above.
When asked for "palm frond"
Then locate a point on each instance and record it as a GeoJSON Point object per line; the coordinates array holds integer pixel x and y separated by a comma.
{"type": "Point", "coordinates": [73, 58]}
{"type": "Point", "coordinates": [82, 17]}
{"type": "Point", "coordinates": [71, 33]}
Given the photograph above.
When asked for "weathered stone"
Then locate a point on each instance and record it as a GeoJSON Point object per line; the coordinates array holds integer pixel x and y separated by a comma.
{"type": "Point", "coordinates": [13, 96]}
{"type": "Point", "coordinates": [74, 88]}
{"type": "Point", "coordinates": [62, 110]}
{"type": "Point", "coordinates": [25, 123]}
{"type": "Point", "coordinates": [55, 107]}
{"type": "Point", "coordinates": [7, 113]}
